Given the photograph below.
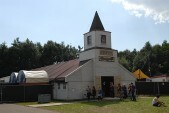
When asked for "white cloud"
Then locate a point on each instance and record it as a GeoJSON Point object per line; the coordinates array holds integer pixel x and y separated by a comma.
{"type": "Point", "coordinates": [158, 10]}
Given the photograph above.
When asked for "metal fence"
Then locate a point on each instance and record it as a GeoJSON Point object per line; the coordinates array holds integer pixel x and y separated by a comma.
{"type": "Point", "coordinates": [25, 92]}
{"type": "Point", "coordinates": [152, 88]}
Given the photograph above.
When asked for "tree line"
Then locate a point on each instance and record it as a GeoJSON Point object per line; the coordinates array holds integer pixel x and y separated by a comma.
{"type": "Point", "coordinates": [26, 55]}
{"type": "Point", "coordinates": [152, 60]}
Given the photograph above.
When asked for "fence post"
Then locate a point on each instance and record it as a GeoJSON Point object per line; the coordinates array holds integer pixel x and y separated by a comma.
{"type": "Point", "coordinates": [158, 88]}
{"type": "Point", "coordinates": [24, 91]}
{"type": "Point", "coordinates": [1, 93]}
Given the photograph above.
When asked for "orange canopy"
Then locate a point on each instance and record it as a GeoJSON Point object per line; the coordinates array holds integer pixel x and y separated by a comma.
{"type": "Point", "coordinates": [139, 74]}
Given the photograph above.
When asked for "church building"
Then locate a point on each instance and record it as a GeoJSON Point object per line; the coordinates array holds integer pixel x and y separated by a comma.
{"type": "Point", "coordinates": [97, 66]}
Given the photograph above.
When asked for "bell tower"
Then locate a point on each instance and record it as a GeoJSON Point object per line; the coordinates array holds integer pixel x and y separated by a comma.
{"type": "Point", "coordinates": [97, 43]}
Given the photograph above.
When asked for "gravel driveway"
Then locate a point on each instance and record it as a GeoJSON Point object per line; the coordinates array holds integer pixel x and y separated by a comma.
{"type": "Point", "coordinates": [13, 108]}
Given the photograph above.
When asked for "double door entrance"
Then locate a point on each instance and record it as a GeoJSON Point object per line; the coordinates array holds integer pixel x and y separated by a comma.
{"type": "Point", "coordinates": [107, 83]}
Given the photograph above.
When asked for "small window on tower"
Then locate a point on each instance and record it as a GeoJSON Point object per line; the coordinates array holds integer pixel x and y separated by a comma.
{"type": "Point", "coordinates": [89, 40]}
{"type": "Point", "coordinates": [103, 39]}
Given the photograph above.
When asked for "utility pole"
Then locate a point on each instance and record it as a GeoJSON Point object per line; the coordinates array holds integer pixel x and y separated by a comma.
{"type": "Point", "coordinates": [1, 93]}
{"type": "Point", "coordinates": [150, 71]}
{"type": "Point", "coordinates": [149, 66]}
{"type": "Point", "coordinates": [158, 88]}
{"type": "Point", "coordinates": [139, 74]}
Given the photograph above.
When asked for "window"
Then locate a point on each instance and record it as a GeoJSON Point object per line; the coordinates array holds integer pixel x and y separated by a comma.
{"type": "Point", "coordinates": [89, 40]}
{"type": "Point", "coordinates": [103, 39]}
{"type": "Point", "coordinates": [64, 86]}
{"type": "Point", "coordinates": [58, 85]}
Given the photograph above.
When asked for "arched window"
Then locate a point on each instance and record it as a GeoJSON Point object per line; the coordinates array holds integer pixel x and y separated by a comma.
{"type": "Point", "coordinates": [103, 39]}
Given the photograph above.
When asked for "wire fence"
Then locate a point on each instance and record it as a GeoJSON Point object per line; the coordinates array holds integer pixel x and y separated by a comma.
{"type": "Point", "coordinates": [152, 88]}
{"type": "Point", "coordinates": [21, 93]}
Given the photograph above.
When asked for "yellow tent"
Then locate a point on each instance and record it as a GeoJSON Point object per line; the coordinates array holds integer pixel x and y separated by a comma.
{"type": "Point", "coordinates": [139, 74]}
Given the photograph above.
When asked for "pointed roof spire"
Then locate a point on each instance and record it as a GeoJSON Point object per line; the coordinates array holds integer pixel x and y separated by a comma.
{"type": "Point", "coordinates": [96, 24]}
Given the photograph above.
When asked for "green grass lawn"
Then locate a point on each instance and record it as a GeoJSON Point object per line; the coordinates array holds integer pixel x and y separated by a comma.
{"type": "Point", "coordinates": [142, 105]}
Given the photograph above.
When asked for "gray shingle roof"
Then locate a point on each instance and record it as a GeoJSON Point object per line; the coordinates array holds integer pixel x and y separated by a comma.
{"type": "Point", "coordinates": [61, 70]}
{"type": "Point", "coordinates": [96, 24]}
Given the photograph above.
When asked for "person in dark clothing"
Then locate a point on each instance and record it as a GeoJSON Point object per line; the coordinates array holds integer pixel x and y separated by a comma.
{"type": "Point", "coordinates": [129, 91]}
{"type": "Point", "coordinates": [111, 89]}
{"type": "Point", "coordinates": [93, 92]}
{"type": "Point", "coordinates": [133, 89]}
{"type": "Point", "coordinates": [88, 93]}
{"type": "Point", "coordinates": [124, 91]}
{"type": "Point", "coordinates": [119, 91]}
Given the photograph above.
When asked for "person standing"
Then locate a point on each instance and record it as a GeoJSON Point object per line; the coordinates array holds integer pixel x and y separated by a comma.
{"type": "Point", "coordinates": [129, 91]}
{"type": "Point", "coordinates": [88, 93]}
{"type": "Point", "coordinates": [93, 92]}
{"type": "Point", "coordinates": [100, 94]}
{"type": "Point", "coordinates": [119, 91]}
{"type": "Point", "coordinates": [111, 89]}
{"type": "Point", "coordinates": [133, 89]}
{"type": "Point", "coordinates": [124, 91]}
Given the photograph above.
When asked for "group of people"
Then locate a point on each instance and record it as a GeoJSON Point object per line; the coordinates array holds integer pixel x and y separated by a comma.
{"type": "Point", "coordinates": [123, 93]}
{"type": "Point", "coordinates": [121, 90]}
{"type": "Point", "coordinates": [92, 92]}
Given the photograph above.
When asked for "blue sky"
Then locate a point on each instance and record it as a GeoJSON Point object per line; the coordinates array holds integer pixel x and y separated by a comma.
{"type": "Point", "coordinates": [132, 23]}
